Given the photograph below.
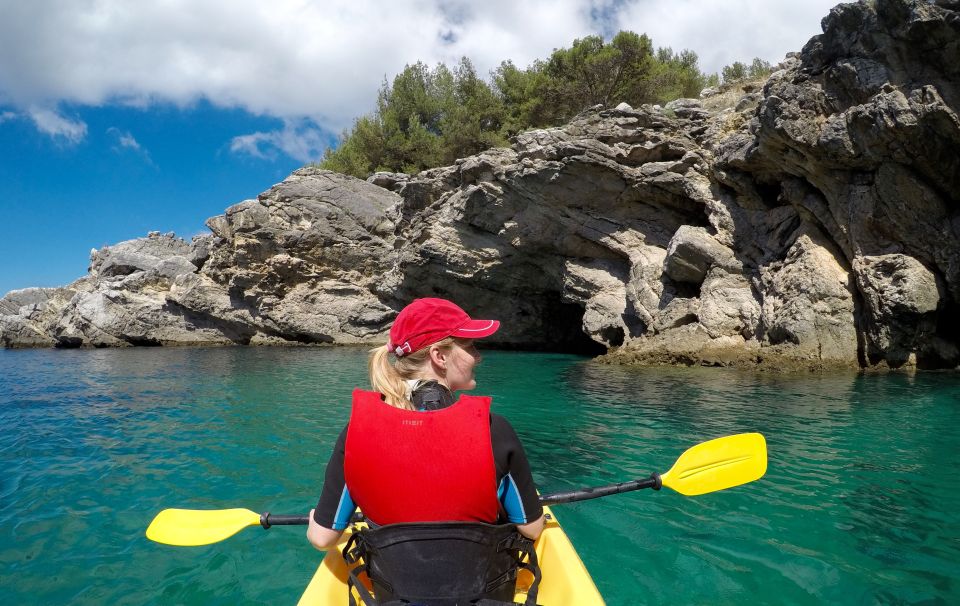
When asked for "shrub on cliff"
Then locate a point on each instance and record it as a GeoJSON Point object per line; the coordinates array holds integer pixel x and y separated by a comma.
{"type": "Point", "coordinates": [426, 118]}
{"type": "Point", "coordinates": [430, 117]}
{"type": "Point", "coordinates": [590, 72]}
{"type": "Point", "coordinates": [738, 72]}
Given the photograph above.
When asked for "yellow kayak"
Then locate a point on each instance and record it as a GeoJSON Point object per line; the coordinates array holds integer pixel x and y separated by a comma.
{"type": "Point", "coordinates": [565, 578]}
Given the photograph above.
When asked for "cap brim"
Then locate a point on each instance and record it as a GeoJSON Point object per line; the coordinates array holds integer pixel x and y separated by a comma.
{"type": "Point", "coordinates": [477, 329]}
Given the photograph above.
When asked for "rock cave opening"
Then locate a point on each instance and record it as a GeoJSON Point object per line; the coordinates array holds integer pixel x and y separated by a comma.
{"type": "Point", "coordinates": [613, 335]}
{"type": "Point", "coordinates": [949, 323]}
{"type": "Point", "coordinates": [563, 328]}
{"type": "Point", "coordinates": [684, 290]}
{"type": "Point", "coordinates": [142, 341]}
{"type": "Point", "coordinates": [769, 192]}
{"type": "Point", "coordinates": [558, 328]}
{"type": "Point", "coordinates": [948, 329]}
{"type": "Point", "coordinates": [68, 342]}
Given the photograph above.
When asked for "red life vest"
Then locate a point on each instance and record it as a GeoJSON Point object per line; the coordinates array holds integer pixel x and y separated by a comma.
{"type": "Point", "coordinates": [410, 466]}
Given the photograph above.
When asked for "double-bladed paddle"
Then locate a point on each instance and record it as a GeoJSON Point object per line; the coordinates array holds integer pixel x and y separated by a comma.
{"type": "Point", "coordinates": [707, 467]}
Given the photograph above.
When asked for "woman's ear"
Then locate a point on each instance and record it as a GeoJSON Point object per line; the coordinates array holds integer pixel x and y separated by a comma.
{"type": "Point", "coordinates": [438, 357]}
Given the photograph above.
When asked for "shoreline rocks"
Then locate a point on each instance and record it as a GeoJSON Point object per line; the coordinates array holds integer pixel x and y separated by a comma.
{"type": "Point", "coordinates": [812, 224]}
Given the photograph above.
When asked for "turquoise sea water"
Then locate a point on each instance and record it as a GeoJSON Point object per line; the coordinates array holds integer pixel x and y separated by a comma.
{"type": "Point", "coordinates": [860, 505]}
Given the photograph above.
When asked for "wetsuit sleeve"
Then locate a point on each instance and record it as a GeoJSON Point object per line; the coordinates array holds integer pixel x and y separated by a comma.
{"type": "Point", "coordinates": [335, 506]}
{"type": "Point", "coordinates": [516, 490]}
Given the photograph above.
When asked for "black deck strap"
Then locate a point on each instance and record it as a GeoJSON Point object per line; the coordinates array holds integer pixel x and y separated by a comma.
{"type": "Point", "coordinates": [534, 567]}
{"type": "Point", "coordinates": [515, 541]}
{"type": "Point", "coordinates": [509, 542]}
{"type": "Point", "coordinates": [522, 549]}
{"type": "Point", "coordinates": [349, 552]}
{"type": "Point", "coordinates": [535, 586]}
{"type": "Point", "coordinates": [354, 552]}
{"type": "Point", "coordinates": [354, 582]}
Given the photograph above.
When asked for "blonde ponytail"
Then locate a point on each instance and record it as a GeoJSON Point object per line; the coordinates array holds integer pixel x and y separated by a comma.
{"type": "Point", "coordinates": [385, 378]}
{"type": "Point", "coordinates": [391, 379]}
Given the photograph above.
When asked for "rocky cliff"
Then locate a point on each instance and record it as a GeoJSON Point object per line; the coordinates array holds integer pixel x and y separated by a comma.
{"type": "Point", "coordinates": [816, 223]}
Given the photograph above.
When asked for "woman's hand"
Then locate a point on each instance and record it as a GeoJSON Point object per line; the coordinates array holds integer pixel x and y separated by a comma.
{"type": "Point", "coordinates": [321, 537]}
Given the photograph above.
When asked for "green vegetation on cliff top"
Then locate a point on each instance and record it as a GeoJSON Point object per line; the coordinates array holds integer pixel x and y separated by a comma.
{"type": "Point", "coordinates": [430, 117]}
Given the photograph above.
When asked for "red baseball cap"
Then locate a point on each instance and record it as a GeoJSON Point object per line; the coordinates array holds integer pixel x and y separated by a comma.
{"type": "Point", "coordinates": [426, 321]}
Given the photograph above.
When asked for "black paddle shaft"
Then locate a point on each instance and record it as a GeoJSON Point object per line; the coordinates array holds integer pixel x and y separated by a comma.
{"type": "Point", "coordinates": [583, 494]}
{"type": "Point", "coordinates": [267, 519]}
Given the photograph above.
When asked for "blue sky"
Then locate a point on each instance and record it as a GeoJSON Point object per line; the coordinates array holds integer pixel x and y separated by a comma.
{"type": "Point", "coordinates": [135, 170]}
{"type": "Point", "coordinates": [119, 118]}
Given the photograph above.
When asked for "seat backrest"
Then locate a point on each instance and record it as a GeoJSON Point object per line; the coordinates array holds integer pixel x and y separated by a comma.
{"type": "Point", "coordinates": [440, 563]}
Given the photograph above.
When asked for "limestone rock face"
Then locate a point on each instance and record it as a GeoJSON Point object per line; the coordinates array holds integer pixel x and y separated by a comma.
{"type": "Point", "coordinates": [812, 222]}
{"type": "Point", "coordinates": [24, 314]}
{"type": "Point", "coordinates": [810, 302]}
{"type": "Point", "coordinates": [858, 138]}
{"type": "Point", "coordinates": [901, 298]}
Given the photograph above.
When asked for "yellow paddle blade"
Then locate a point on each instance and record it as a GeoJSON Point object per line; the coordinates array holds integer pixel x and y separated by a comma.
{"type": "Point", "coordinates": [189, 527]}
{"type": "Point", "coordinates": [718, 464]}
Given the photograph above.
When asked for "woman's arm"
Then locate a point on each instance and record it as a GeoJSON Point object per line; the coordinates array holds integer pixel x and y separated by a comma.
{"type": "Point", "coordinates": [321, 537]}
{"type": "Point", "coordinates": [533, 529]}
{"type": "Point", "coordinates": [331, 516]}
{"type": "Point", "coordinates": [517, 491]}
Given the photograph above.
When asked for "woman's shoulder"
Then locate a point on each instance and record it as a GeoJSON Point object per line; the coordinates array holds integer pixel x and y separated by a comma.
{"type": "Point", "coordinates": [501, 427]}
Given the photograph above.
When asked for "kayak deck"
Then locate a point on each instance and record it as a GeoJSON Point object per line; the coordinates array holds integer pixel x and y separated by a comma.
{"type": "Point", "coordinates": [565, 578]}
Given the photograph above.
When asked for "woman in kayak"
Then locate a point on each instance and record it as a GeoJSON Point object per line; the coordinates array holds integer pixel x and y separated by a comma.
{"type": "Point", "coordinates": [411, 453]}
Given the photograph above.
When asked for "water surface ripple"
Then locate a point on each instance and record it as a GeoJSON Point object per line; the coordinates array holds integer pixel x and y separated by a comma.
{"type": "Point", "coordinates": [859, 505]}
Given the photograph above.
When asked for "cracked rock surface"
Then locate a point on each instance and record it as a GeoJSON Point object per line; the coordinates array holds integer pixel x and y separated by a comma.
{"type": "Point", "coordinates": [815, 222]}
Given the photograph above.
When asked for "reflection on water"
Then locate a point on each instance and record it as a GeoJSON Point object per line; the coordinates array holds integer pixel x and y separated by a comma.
{"type": "Point", "coordinates": [858, 505]}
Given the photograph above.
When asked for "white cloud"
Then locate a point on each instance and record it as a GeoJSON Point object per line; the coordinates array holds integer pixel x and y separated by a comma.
{"type": "Point", "coordinates": [126, 141]}
{"type": "Point", "coordinates": [324, 61]}
{"type": "Point", "coordinates": [6, 116]}
{"type": "Point", "coordinates": [50, 122]}
{"type": "Point", "coordinates": [733, 30]}
{"type": "Point", "coordinates": [301, 140]}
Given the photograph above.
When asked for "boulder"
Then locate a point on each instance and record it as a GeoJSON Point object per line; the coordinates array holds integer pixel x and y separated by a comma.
{"type": "Point", "coordinates": [142, 254]}
{"type": "Point", "coordinates": [692, 252]}
{"type": "Point", "coordinates": [901, 297]}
